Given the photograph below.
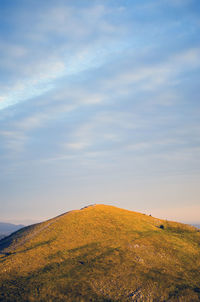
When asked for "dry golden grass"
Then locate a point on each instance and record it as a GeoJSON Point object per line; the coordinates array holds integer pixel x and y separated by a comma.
{"type": "Point", "coordinates": [101, 253]}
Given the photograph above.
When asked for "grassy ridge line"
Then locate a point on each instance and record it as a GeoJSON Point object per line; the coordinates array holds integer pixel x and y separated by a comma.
{"type": "Point", "coordinates": [27, 233]}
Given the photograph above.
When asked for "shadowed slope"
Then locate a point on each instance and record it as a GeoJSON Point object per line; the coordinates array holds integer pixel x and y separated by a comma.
{"type": "Point", "coordinates": [7, 228]}
{"type": "Point", "coordinates": [101, 253]}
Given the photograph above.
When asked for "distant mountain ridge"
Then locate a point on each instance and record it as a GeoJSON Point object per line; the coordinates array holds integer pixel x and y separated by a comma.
{"type": "Point", "coordinates": [101, 253]}
{"type": "Point", "coordinates": [8, 228]}
{"type": "Point", "coordinates": [196, 225]}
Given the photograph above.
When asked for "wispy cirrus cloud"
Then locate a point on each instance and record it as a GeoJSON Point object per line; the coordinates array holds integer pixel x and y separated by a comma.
{"type": "Point", "coordinates": [79, 39]}
{"type": "Point", "coordinates": [156, 75]}
{"type": "Point", "coordinates": [101, 96]}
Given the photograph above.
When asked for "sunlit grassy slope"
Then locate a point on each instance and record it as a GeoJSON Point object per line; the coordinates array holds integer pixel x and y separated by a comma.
{"type": "Point", "coordinates": [101, 253]}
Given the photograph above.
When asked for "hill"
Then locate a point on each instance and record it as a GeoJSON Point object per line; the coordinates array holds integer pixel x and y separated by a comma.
{"type": "Point", "coordinates": [101, 253]}
{"type": "Point", "coordinates": [8, 228]}
{"type": "Point", "coordinates": [197, 225]}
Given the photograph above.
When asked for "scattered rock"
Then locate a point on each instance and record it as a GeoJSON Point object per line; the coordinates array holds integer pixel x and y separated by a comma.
{"type": "Point", "coordinates": [136, 295]}
{"type": "Point", "coordinates": [160, 226]}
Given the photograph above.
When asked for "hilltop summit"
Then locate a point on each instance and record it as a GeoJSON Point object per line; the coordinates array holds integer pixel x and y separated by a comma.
{"type": "Point", "coordinates": [101, 253]}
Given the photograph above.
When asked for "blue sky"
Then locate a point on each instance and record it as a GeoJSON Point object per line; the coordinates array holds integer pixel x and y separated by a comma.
{"type": "Point", "coordinates": [99, 102]}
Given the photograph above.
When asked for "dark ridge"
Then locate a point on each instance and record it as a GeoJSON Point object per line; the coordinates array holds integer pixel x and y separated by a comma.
{"type": "Point", "coordinates": [15, 236]}
{"type": "Point", "coordinates": [90, 205]}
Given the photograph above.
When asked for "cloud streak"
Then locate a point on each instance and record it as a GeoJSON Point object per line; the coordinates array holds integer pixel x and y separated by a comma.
{"type": "Point", "coordinates": [83, 39]}
{"type": "Point", "coordinates": [102, 96]}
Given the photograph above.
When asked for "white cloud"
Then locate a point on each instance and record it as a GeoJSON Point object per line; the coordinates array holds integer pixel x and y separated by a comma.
{"type": "Point", "coordinates": [19, 135]}
{"type": "Point", "coordinates": [14, 141]}
{"type": "Point", "coordinates": [187, 59]}
{"type": "Point", "coordinates": [160, 74]}
{"type": "Point", "coordinates": [84, 34]}
{"type": "Point", "coordinates": [12, 50]}
{"type": "Point", "coordinates": [31, 122]}
{"type": "Point", "coordinates": [77, 145]}
{"type": "Point", "coordinates": [92, 99]}
{"type": "Point", "coordinates": [152, 144]}
{"type": "Point", "coordinates": [2, 98]}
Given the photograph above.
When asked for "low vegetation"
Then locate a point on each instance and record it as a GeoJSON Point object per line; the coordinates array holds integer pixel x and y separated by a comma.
{"type": "Point", "coordinates": [101, 253]}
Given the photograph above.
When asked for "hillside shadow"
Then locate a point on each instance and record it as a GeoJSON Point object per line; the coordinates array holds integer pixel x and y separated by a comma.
{"type": "Point", "coordinates": [13, 238]}
{"type": "Point", "coordinates": [46, 284]}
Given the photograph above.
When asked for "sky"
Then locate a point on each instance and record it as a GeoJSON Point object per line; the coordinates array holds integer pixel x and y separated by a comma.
{"type": "Point", "coordinates": [99, 103]}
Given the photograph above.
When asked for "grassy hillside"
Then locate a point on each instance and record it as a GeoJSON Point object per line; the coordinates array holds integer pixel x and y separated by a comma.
{"type": "Point", "coordinates": [101, 253]}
